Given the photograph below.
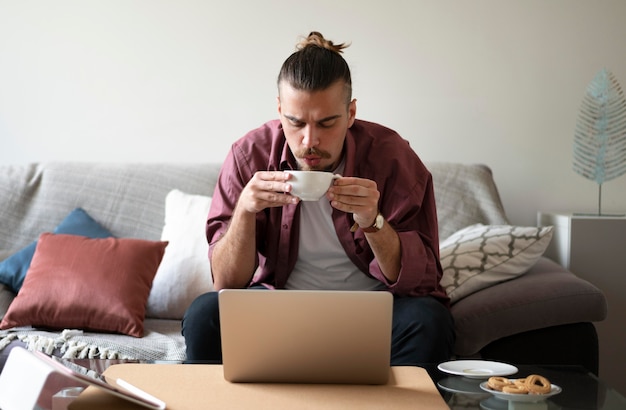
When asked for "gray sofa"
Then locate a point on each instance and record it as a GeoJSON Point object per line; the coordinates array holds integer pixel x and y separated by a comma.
{"type": "Point", "coordinates": [543, 315]}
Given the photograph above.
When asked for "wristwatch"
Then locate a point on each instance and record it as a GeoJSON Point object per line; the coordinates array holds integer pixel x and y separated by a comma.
{"type": "Point", "coordinates": [377, 226]}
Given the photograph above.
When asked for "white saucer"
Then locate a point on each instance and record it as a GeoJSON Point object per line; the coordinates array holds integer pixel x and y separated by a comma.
{"type": "Point", "coordinates": [528, 398]}
{"type": "Point", "coordinates": [477, 369]}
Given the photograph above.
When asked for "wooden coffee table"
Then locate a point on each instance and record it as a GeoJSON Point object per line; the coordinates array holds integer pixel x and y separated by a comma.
{"type": "Point", "coordinates": [580, 389]}
{"type": "Point", "coordinates": [201, 386]}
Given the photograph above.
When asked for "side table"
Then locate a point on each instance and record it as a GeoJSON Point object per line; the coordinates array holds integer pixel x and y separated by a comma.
{"type": "Point", "coordinates": [594, 248]}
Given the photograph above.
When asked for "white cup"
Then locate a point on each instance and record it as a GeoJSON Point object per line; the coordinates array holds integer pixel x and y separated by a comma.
{"type": "Point", "coordinates": [310, 185]}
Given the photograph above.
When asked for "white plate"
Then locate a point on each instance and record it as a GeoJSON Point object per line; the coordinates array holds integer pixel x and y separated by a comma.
{"type": "Point", "coordinates": [477, 369]}
{"type": "Point", "coordinates": [521, 397]}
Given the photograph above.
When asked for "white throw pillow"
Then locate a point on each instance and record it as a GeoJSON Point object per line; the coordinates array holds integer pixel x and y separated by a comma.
{"type": "Point", "coordinates": [184, 272]}
{"type": "Point", "coordinates": [480, 256]}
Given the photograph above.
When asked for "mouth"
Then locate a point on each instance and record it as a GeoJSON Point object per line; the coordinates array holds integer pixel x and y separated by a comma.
{"type": "Point", "coordinates": [310, 162]}
{"type": "Point", "coordinates": [311, 158]}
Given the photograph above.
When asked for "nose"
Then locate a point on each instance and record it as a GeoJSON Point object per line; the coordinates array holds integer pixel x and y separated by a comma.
{"type": "Point", "coordinates": [309, 137]}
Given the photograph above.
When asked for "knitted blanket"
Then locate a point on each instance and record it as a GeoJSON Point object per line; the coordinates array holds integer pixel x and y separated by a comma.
{"type": "Point", "coordinates": [161, 341]}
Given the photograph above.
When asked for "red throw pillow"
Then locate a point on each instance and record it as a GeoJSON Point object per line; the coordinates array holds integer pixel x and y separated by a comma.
{"type": "Point", "coordinates": [75, 282]}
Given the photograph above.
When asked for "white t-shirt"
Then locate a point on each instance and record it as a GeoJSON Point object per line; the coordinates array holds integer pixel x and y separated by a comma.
{"type": "Point", "coordinates": [322, 263]}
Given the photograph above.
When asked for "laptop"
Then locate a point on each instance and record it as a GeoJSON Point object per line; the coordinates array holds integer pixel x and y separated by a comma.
{"type": "Point", "coordinates": [302, 336]}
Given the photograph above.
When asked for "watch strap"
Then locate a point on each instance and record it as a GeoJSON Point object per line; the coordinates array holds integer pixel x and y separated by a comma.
{"type": "Point", "coordinates": [375, 227]}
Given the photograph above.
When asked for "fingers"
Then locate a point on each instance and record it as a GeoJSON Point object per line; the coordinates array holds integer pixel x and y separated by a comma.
{"type": "Point", "coordinates": [267, 189]}
{"type": "Point", "coordinates": [357, 196]}
{"type": "Point", "coordinates": [272, 181]}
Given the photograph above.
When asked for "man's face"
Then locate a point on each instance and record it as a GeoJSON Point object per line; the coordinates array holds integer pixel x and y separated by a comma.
{"type": "Point", "coordinates": [315, 124]}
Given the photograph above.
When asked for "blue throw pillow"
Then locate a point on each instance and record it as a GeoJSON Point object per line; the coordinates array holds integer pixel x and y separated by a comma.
{"type": "Point", "coordinates": [78, 222]}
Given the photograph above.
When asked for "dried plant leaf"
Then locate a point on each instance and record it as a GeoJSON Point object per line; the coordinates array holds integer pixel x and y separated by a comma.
{"type": "Point", "coordinates": [600, 134]}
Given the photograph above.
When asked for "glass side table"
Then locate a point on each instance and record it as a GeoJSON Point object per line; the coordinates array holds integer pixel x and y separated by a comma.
{"type": "Point", "coordinates": [580, 390]}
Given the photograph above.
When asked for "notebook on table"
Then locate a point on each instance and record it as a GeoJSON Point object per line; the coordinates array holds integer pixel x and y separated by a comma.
{"type": "Point", "coordinates": [298, 336]}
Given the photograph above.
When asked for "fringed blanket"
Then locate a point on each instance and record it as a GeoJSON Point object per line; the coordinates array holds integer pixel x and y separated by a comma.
{"type": "Point", "coordinates": [160, 342]}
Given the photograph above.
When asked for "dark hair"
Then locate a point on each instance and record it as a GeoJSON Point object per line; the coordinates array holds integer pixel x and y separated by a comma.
{"type": "Point", "coordinates": [316, 65]}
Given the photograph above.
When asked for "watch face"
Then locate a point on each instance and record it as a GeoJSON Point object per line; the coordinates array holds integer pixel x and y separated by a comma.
{"type": "Point", "coordinates": [379, 221]}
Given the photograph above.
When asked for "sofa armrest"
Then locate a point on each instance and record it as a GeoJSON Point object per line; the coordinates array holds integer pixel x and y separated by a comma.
{"type": "Point", "coordinates": [547, 295]}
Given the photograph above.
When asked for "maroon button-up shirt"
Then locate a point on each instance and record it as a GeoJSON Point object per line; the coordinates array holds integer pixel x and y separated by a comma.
{"type": "Point", "coordinates": [371, 151]}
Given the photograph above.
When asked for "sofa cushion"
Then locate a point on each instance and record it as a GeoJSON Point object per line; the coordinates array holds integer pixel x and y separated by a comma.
{"type": "Point", "coordinates": [4, 254]}
{"type": "Point", "coordinates": [85, 283]}
{"type": "Point", "coordinates": [547, 295]}
{"type": "Point", "coordinates": [78, 222]}
{"type": "Point", "coordinates": [480, 256]}
{"type": "Point", "coordinates": [126, 198]}
{"type": "Point", "coordinates": [184, 272]}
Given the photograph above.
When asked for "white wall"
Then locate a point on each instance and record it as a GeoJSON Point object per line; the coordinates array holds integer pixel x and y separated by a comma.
{"type": "Point", "coordinates": [492, 81]}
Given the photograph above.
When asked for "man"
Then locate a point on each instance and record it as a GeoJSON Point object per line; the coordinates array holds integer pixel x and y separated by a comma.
{"type": "Point", "coordinates": [376, 228]}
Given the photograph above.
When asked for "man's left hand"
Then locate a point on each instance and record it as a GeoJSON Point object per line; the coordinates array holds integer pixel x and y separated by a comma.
{"type": "Point", "coordinates": [358, 196]}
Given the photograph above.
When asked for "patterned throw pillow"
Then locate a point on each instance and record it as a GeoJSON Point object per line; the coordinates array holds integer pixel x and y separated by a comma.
{"type": "Point", "coordinates": [480, 256]}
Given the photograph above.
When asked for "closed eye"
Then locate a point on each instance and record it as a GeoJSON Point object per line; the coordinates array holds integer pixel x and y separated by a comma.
{"type": "Point", "coordinates": [327, 124]}
{"type": "Point", "coordinates": [294, 121]}
{"type": "Point", "coordinates": [328, 121]}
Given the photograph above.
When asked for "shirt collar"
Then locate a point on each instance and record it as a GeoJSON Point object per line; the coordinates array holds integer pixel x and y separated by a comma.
{"type": "Point", "coordinates": [287, 160]}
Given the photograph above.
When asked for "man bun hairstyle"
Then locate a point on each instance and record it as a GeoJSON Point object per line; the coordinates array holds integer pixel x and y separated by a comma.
{"type": "Point", "coordinates": [316, 65]}
{"type": "Point", "coordinates": [315, 38]}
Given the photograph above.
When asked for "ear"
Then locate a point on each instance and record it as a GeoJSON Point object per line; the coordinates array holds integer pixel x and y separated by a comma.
{"type": "Point", "coordinates": [351, 112]}
{"type": "Point", "coordinates": [278, 104]}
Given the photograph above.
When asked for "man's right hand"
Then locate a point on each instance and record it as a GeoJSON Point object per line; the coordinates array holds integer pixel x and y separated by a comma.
{"type": "Point", "coordinates": [266, 189]}
{"type": "Point", "coordinates": [233, 261]}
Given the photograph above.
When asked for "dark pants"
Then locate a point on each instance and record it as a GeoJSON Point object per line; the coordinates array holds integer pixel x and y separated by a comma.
{"type": "Point", "coordinates": [422, 331]}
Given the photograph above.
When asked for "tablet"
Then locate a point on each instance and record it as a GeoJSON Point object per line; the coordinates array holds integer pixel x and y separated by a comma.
{"type": "Point", "coordinates": [20, 358]}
